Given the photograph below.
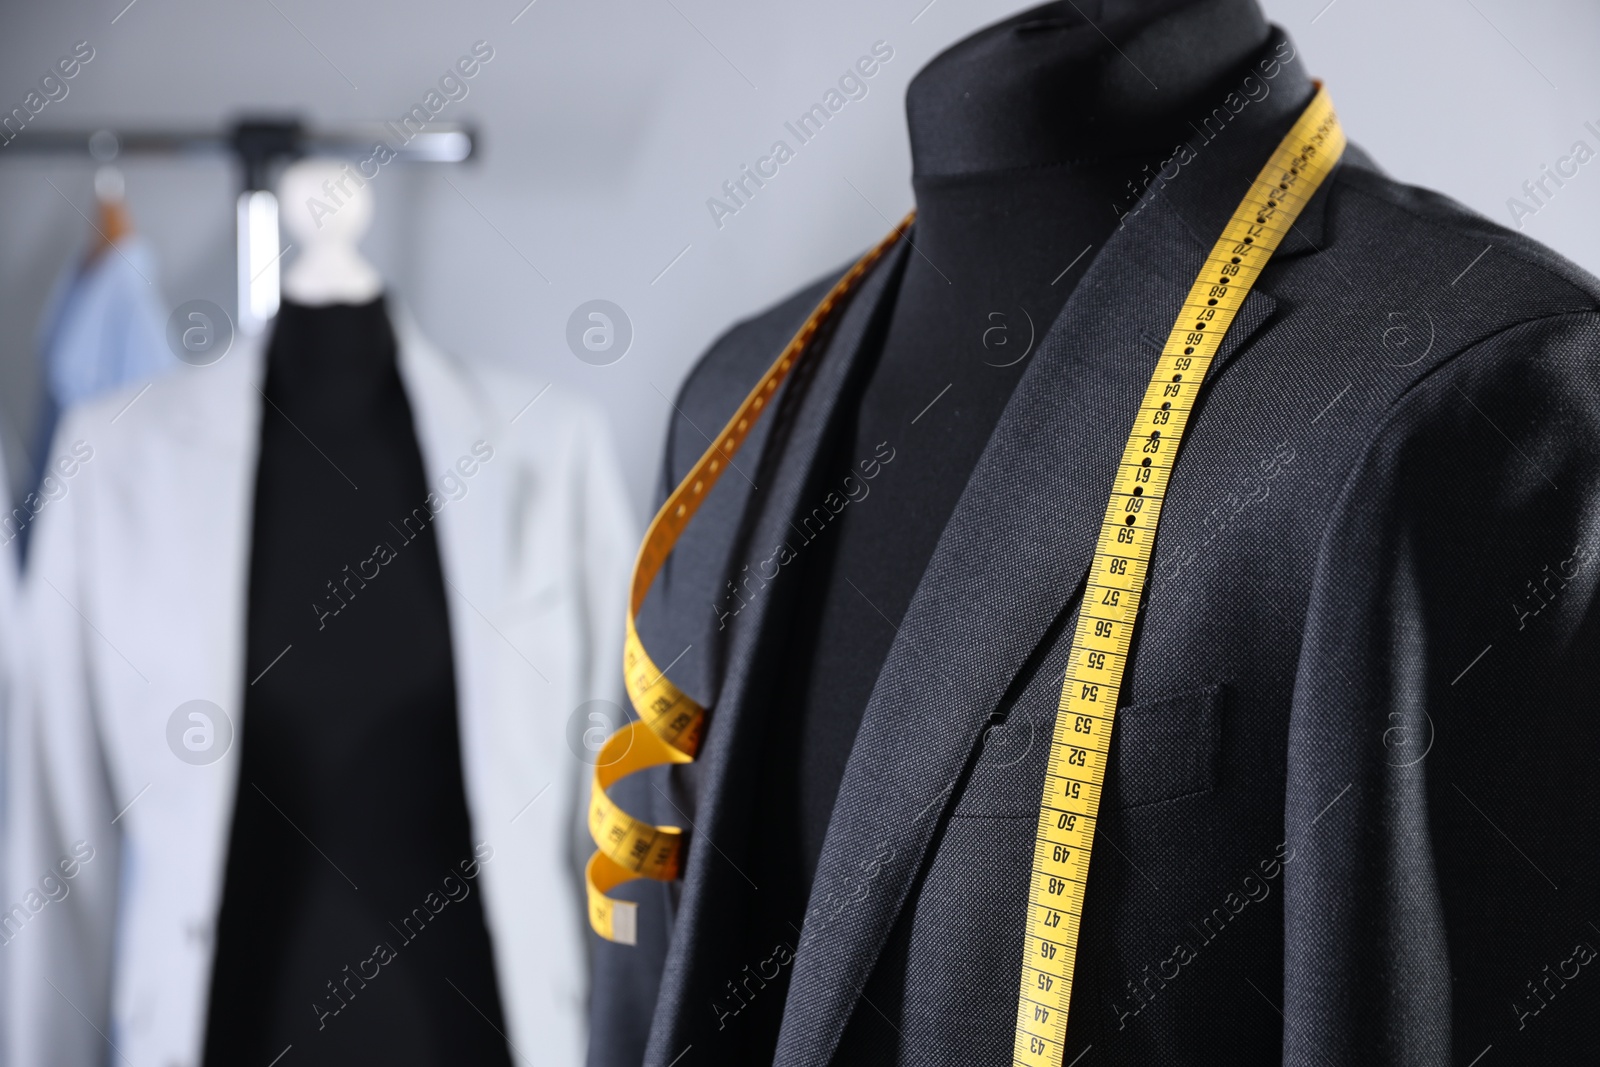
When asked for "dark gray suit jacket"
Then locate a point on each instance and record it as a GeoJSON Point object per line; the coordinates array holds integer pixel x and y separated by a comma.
{"type": "Point", "coordinates": [1351, 816]}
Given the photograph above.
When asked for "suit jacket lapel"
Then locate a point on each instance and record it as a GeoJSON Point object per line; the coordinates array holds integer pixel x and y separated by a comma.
{"type": "Point", "coordinates": [791, 450]}
{"type": "Point", "coordinates": [1013, 555]}
{"type": "Point", "coordinates": [449, 417]}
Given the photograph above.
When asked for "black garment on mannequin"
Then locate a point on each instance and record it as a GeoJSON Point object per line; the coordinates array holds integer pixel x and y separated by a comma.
{"type": "Point", "coordinates": [1027, 141]}
{"type": "Point", "coordinates": [350, 768]}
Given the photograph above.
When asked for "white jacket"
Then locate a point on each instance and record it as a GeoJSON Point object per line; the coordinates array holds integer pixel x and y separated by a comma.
{"type": "Point", "coordinates": [10, 632]}
{"type": "Point", "coordinates": [135, 597]}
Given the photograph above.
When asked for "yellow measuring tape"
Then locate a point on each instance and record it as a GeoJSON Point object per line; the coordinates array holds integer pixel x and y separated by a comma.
{"type": "Point", "coordinates": [670, 721]}
{"type": "Point", "coordinates": [1081, 740]}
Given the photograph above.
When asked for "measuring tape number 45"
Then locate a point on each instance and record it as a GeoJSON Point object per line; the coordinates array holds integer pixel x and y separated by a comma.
{"type": "Point", "coordinates": [1081, 740]}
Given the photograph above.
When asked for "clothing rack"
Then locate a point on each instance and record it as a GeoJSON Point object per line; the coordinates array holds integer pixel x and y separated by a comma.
{"type": "Point", "coordinates": [260, 144]}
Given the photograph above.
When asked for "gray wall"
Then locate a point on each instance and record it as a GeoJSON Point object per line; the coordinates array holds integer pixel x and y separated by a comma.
{"type": "Point", "coordinates": [607, 125]}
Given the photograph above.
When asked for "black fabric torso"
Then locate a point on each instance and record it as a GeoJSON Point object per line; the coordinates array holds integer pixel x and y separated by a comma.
{"type": "Point", "coordinates": [349, 927]}
{"type": "Point", "coordinates": [1025, 154]}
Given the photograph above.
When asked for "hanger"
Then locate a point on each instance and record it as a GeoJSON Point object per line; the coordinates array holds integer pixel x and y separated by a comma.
{"type": "Point", "coordinates": [113, 223]}
{"type": "Point", "coordinates": [259, 144]}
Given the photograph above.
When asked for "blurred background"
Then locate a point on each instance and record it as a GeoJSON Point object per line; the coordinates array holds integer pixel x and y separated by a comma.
{"type": "Point", "coordinates": [605, 127]}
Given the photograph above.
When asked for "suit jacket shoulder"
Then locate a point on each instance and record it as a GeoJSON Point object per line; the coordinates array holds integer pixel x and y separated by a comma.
{"type": "Point", "coordinates": [1428, 217]}
{"type": "Point", "coordinates": [1434, 252]}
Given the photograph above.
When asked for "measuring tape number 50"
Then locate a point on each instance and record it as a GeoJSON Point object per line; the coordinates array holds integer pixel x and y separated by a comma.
{"type": "Point", "coordinates": [1081, 740]}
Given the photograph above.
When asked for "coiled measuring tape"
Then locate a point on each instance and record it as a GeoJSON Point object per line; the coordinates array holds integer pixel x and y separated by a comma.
{"type": "Point", "coordinates": [1081, 740]}
{"type": "Point", "coordinates": [669, 724]}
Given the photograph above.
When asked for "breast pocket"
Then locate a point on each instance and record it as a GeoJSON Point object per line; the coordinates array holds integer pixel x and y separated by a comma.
{"type": "Point", "coordinates": [1161, 749]}
{"type": "Point", "coordinates": [950, 967]}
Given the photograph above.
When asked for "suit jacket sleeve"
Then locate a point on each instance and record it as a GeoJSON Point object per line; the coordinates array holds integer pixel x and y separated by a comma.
{"type": "Point", "coordinates": [61, 894]}
{"type": "Point", "coordinates": [627, 979]}
{"type": "Point", "coordinates": [1441, 813]}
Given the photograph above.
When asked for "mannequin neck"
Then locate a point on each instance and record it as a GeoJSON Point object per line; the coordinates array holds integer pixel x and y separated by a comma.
{"type": "Point", "coordinates": [1075, 81]}
{"type": "Point", "coordinates": [331, 273]}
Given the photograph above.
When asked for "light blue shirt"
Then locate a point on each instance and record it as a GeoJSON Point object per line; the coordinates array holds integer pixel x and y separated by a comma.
{"type": "Point", "coordinates": [103, 327]}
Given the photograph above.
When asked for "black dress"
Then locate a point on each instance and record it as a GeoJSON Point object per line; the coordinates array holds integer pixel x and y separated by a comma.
{"type": "Point", "coordinates": [351, 926]}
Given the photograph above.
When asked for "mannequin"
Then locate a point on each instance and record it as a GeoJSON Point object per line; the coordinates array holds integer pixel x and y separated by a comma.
{"type": "Point", "coordinates": [1025, 139]}
{"type": "Point", "coordinates": [350, 740]}
{"type": "Point", "coordinates": [1255, 739]}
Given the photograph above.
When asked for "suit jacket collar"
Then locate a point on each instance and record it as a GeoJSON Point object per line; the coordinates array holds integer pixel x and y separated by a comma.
{"type": "Point", "coordinates": [1208, 175]}
{"type": "Point", "coordinates": [1015, 553]}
